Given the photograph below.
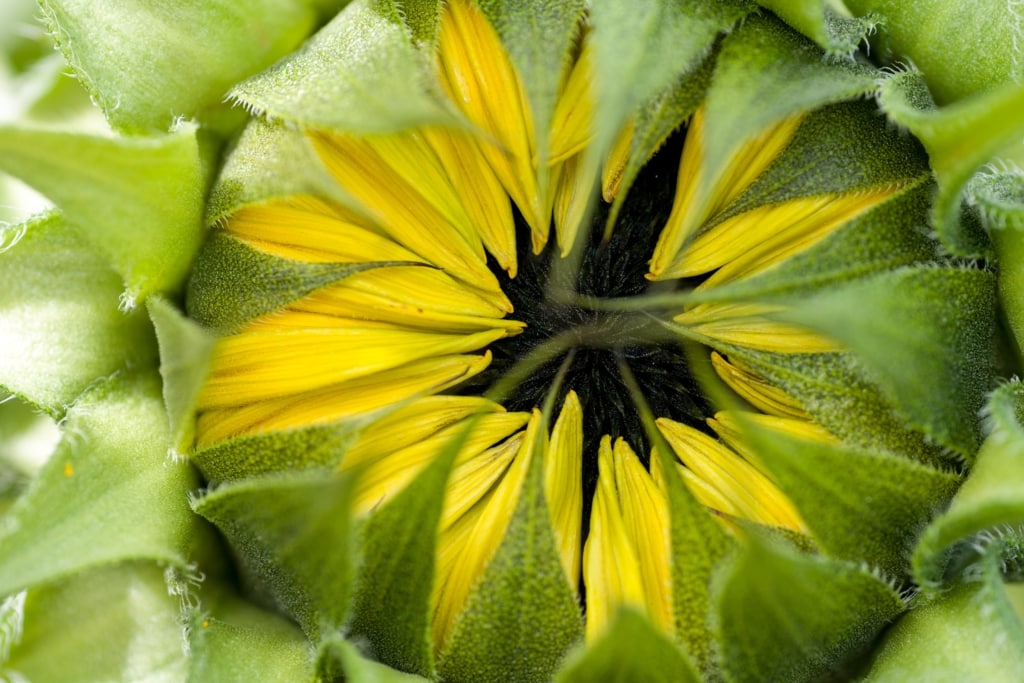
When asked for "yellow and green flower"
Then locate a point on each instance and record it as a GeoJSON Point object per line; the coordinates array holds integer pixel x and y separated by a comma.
{"type": "Point", "coordinates": [479, 340]}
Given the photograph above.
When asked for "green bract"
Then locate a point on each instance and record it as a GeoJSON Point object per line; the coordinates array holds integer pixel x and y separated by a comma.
{"type": "Point", "coordinates": [129, 554]}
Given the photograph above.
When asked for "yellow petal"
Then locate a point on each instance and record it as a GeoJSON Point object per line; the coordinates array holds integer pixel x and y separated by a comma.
{"type": "Point", "coordinates": [342, 401]}
{"type": "Point", "coordinates": [615, 164]}
{"type": "Point", "coordinates": [572, 126]}
{"type": "Point", "coordinates": [747, 325]}
{"type": "Point", "coordinates": [469, 551]}
{"type": "Point", "coordinates": [574, 184]}
{"type": "Point", "coordinates": [728, 428]}
{"type": "Point", "coordinates": [611, 568]}
{"type": "Point", "coordinates": [563, 485]}
{"type": "Point", "coordinates": [757, 391]}
{"type": "Point", "coordinates": [752, 495]}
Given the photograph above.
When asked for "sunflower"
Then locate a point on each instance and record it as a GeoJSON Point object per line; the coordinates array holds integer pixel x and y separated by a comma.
{"type": "Point", "coordinates": [525, 341]}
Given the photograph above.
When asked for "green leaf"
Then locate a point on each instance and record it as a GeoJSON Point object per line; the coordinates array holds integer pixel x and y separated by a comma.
{"type": "Point", "coordinates": [147, 63]}
{"type": "Point", "coordinates": [643, 49]}
{"type": "Point", "coordinates": [826, 22]}
{"type": "Point", "coordinates": [292, 535]}
{"type": "Point", "coordinates": [185, 351]}
{"type": "Point", "coordinates": [55, 286]}
{"type": "Point", "coordinates": [786, 616]}
{"type": "Point", "coordinates": [859, 505]}
{"type": "Point", "coordinates": [360, 74]}
{"type": "Point", "coordinates": [523, 595]}
{"type": "Point", "coordinates": [539, 36]}
{"type": "Point", "coordinates": [961, 48]}
{"type": "Point", "coordinates": [393, 604]}
{"type": "Point", "coordinates": [971, 633]}
{"type": "Point", "coordinates": [925, 335]}
{"type": "Point", "coordinates": [235, 641]}
{"type": "Point", "coordinates": [108, 494]}
{"type": "Point", "coordinates": [138, 201]}
{"type": "Point", "coordinates": [116, 623]}
{"type": "Point", "coordinates": [990, 498]}
{"type": "Point", "coordinates": [960, 138]}
{"type": "Point", "coordinates": [233, 283]}
{"type": "Point", "coordinates": [632, 649]}
{"type": "Point", "coordinates": [341, 658]}
{"type": "Point", "coordinates": [764, 73]}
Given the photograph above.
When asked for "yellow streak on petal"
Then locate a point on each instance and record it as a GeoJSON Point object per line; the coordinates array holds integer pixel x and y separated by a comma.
{"type": "Point", "coordinates": [572, 126]}
{"type": "Point", "coordinates": [754, 240]}
{"type": "Point", "coordinates": [611, 568]}
{"type": "Point", "coordinates": [563, 487]}
{"type": "Point", "coordinates": [479, 76]}
{"type": "Point", "coordinates": [752, 494]}
{"type": "Point", "coordinates": [689, 211]}
{"type": "Point", "coordinates": [408, 296]}
{"type": "Point", "coordinates": [340, 401]}
{"type": "Point", "coordinates": [473, 549]}
{"type": "Point", "coordinates": [387, 474]}
{"type": "Point", "coordinates": [757, 391]}
{"type": "Point", "coordinates": [746, 325]}
{"type": "Point", "coordinates": [646, 517]}
{"type": "Point", "coordinates": [574, 182]}
{"type": "Point", "coordinates": [484, 200]}
{"type": "Point", "coordinates": [400, 183]}
{"type": "Point", "coordinates": [615, 164]}
{"type": "Point", "coordinates": [262, 365]}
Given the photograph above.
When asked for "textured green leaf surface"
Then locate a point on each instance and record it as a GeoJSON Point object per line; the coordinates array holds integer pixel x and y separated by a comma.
{"type": "Point", "coordinates": [925, 335]}
{"type": "Point", "coordinates": [233, 283]}
{"type": "Point", "coordinates": [764, 73]}
{"type": "Point", "coordinates": [185, 350]}
{"type": "Point", "coordinates": [961, 48]}
{"type": "Point", "coordinates": [859, 505]}
{"type": "Point", "coordinates": [147, 62]}
{"type": "Point", "coordinates": [990, 497]}
{"type": "Point", "coordinates": [292, 536]}
{"type": "Point", "coordinates": [971, 633]}
{"type": "Point", "coordinates": [632, 649]}
{"type": "Point", "coordinates": [116, 623]}
{"type": "Point", "coordinates": [361, 73]}
{"type": "Point", "coordinates": [342, 657]}
{"type": "Point", "coordinates": [784, 616]}
{"type": "Point", "coordinates": [960, 138]}
{"type": "Point", "coordinates": [108, 494]}
{"type": "Point", "coordinates": [53, 283]}
{"type": "Point", "coordinates": [138, 200]}
{"type": "Point", "coordinates": [827, 22]}
{"type": "Point", "coordinates": [234, 641]}
{"type": "Point", "coordinates": [393, 605]}
{"type": "Point", "coordinates": [524, 595]}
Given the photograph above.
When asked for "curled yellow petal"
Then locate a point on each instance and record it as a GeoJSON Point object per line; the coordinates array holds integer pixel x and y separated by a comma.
{"type": "Point", "coordinates": [755, 390]}
{"type": "Point", "coordinates": [748, 325]}
{"type": "Point", "coordinates": [563, 487]}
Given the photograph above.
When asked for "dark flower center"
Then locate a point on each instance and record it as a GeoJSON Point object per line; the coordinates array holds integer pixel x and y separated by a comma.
{"type": "Point", "coordinates": [549, 294]}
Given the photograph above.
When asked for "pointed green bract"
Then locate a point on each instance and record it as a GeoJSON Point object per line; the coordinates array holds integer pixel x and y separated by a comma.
{"type": "Point", "coordinates": [764, 73]}
{"type": "Point", "coordinates": [538, 621]}
{"type": "Point", "coordinates": [233, 283]}
{"type": "Point", "coordinates": [116, 623]}
{"type": "Point", "coordinates": [147, 63]}
{"type": "Point", "coordinates": [786, 616]}
{"type": "Point", "coordinates": [185, 351]}
{"type": "Point", "coordinates": [108, 494]}
{"type": "Point", "coordinates": [971, 633]}
{"type": "Point", "coordinates": [292, 534]}
{"type": "Point", "coordinates": [872, 512]}
{"type": "Point", "coordinates": [138, 201]}
{"type": "Point", "coordinates": [925, 335]}
{"type": "Point", "coordinates": [990, 497]}
{"type": "Point", "coordinates": [827, 22]}
{"type": "Point", "coordinates": [961, 48]}
{"type": "Point", "coordinates": [393, 606]}
{"type": "Point", "coordinates": [960, 139]}
{"type": "Point", "coordinates": [632, 649]}
{"type": "Point", "coordinates": [361, 73]}
{"type": "Point", "coordinates": [269, 161]}
{"type": "Point", "coordinates": [233, 641]}
{"type": "Point", "coordinates": [53, 283]}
